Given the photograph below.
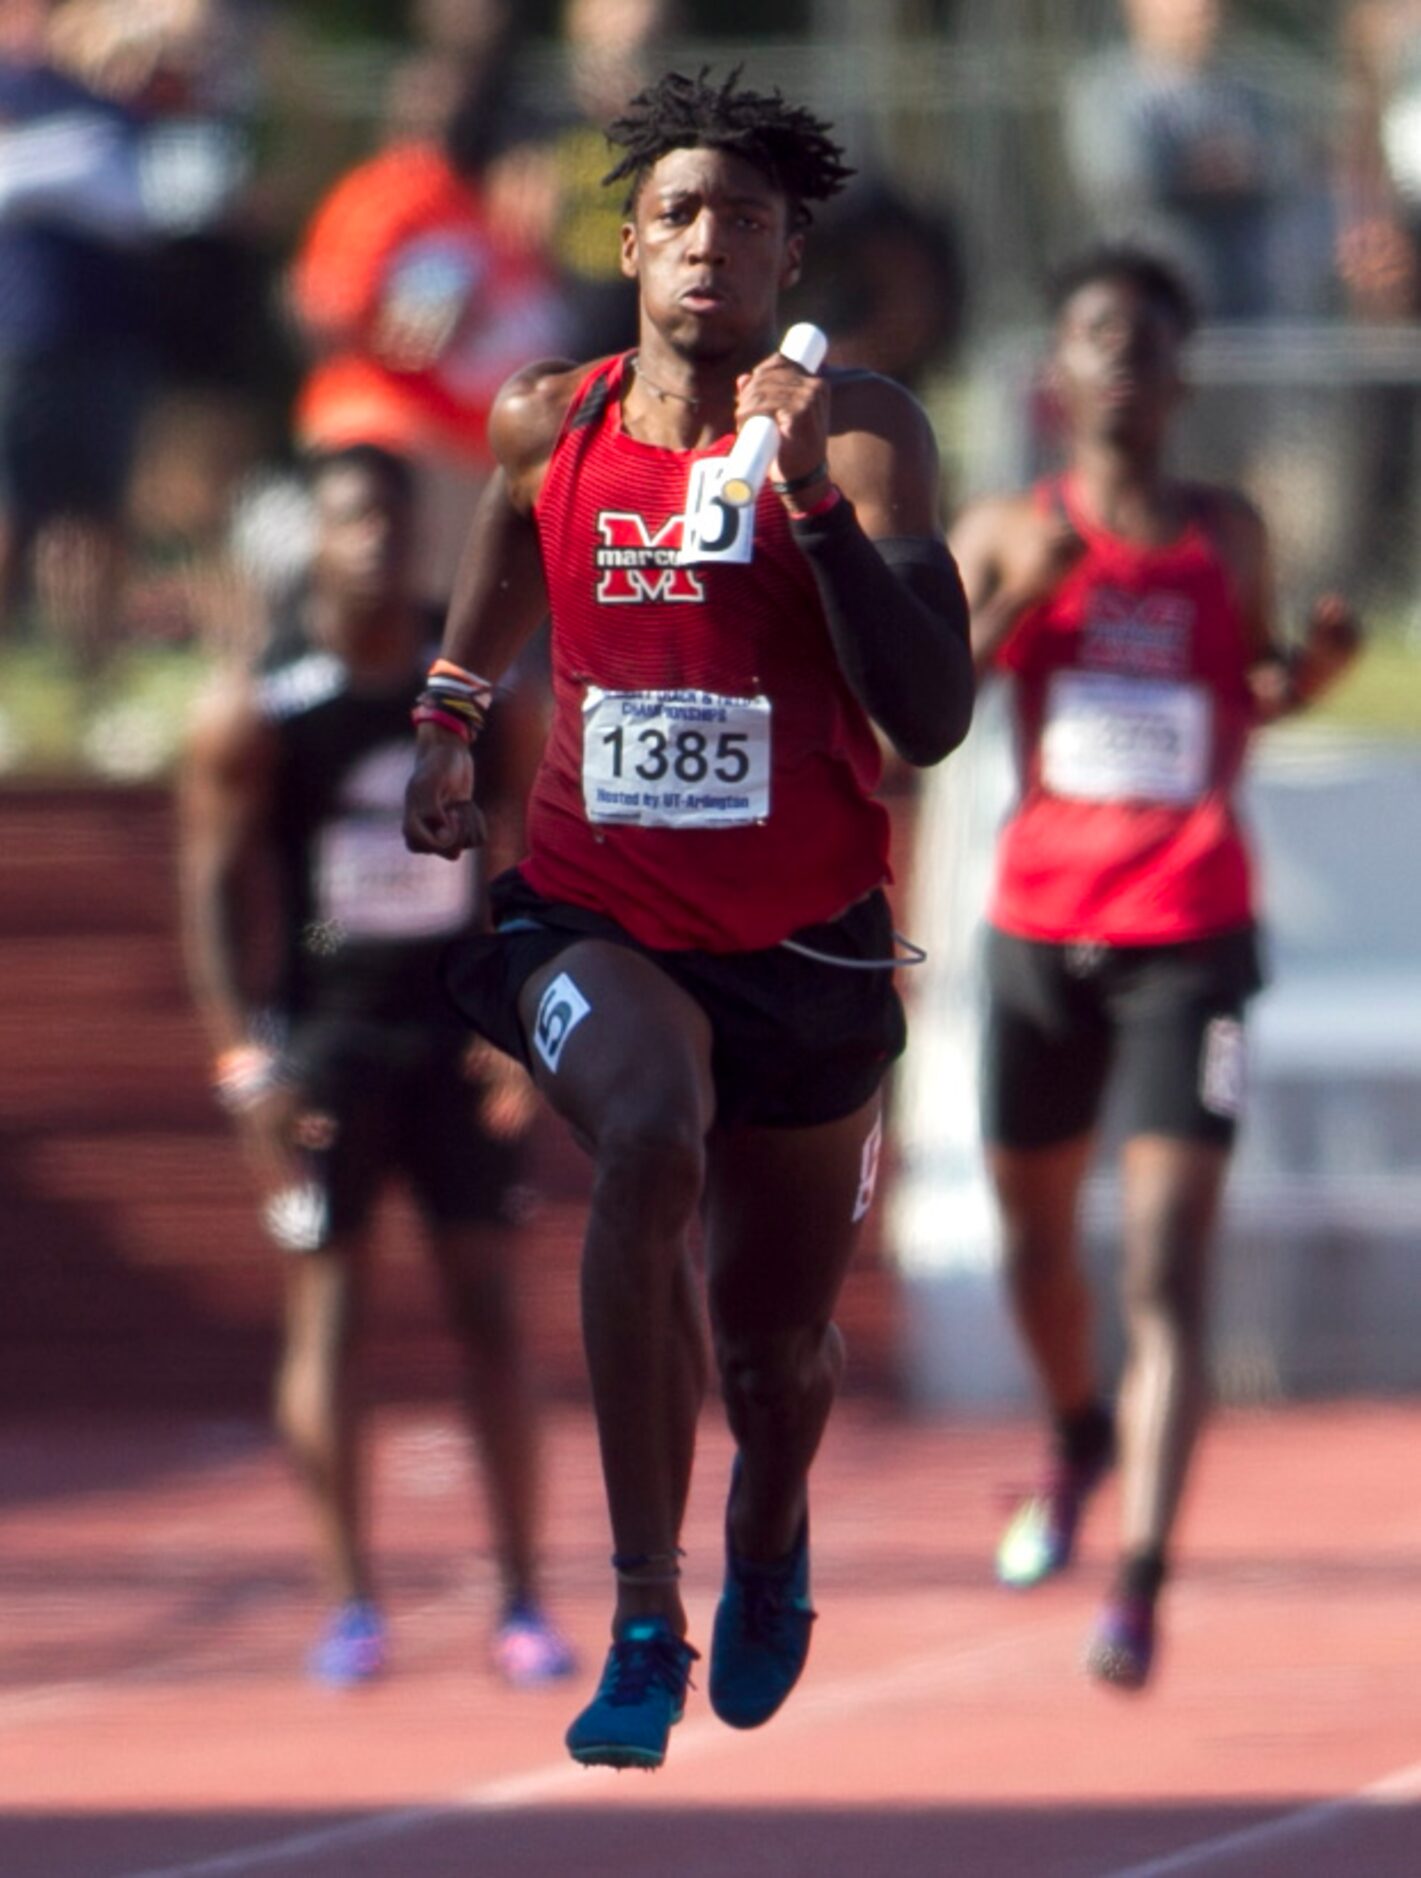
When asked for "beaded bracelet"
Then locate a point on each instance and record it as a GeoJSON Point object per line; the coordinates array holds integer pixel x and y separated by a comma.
{"type": "Point", "coordinates": [469, 710]}
{"type": "Point", "coordinates": [446, 674]}
{"type": "Point", "coordinates": [455, 699]}
{"type": "Point", "coordinates": [428, 712]}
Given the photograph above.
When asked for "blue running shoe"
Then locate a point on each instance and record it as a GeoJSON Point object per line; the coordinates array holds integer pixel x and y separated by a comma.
{"type": "Point", "coordinates": [1040, 1539]}
{"type": "Point", "coordinates": [1121, 1650]}
{"type": "Point", "coordinates": [528, 1649]}
{"type": "Point", "coordinates": [641, 1697]}
{"type": "Point", "coordinates": [351, 1648]}
{"type": "Point", "coordinates": [762, 1625]}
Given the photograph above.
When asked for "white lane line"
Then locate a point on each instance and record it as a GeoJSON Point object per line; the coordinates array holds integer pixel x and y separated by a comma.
{"type": "Point", "coordinates": [1396, 1789]}
{"type": "Point", "coordinates": [917, 1675]}
{"type": "Point", "coordinates": [281, 1851]}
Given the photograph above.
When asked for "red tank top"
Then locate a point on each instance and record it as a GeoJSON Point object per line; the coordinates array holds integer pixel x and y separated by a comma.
{"type": "Point", "coordinates": [1132, 716]}
{"type": "Point", "coordinates": [707, 782]}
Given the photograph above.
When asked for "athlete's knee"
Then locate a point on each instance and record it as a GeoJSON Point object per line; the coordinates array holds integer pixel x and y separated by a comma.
{"type": "Point", "coordinates": [1036, 1198]}
{"type": "Point", "coordinates": [1036, 1252]}
{"type": "Point", "coordinates": [1165, 1281]}
{"type": "Point", "coordinates": [1167, 1234]}
{"type": "Point", "coordinates": [1170, 1299]}
{"type": "Point", "coordinates": [764, 1370]}
{"type": "Point", "coordinates": [650, 1170]}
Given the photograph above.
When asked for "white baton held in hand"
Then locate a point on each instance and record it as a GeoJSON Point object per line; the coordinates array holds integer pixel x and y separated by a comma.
{"type": "Point", "coordinates": [754, 449]}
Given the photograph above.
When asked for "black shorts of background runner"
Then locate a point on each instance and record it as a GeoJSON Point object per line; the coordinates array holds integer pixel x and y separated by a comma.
{"type": "Point", "coordinates": [1161, 1022]}
{"type": "Point", "coordinates": [402, 1107]}
{"type": "Point", "coordinates": [796, 1042]}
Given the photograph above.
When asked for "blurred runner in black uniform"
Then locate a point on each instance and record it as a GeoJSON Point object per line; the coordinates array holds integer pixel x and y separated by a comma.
{"type": "Point", "coordinates": [290, 830]}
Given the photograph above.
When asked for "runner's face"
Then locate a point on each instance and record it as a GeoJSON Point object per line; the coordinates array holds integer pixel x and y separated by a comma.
{"type": "Point", "coordinates": [1116, 367]}
{"type": "Point", "coordinates": [711, 245]}
{"type": "Point", "coordinates": [363, 537]}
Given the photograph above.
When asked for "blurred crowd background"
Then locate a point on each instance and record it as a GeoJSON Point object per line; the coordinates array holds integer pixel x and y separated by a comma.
{"type": "Point", "coordinates": [231, 229]}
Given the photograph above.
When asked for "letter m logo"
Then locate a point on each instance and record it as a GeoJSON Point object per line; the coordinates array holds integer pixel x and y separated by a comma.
{"type": "Point", "coordinates": [635, 565]}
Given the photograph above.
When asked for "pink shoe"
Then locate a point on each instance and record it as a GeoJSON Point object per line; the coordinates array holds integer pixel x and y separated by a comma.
{"type": "Point", "coordinates": [528, 1649]}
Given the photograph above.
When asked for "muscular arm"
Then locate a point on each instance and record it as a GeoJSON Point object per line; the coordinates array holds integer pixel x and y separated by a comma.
{"type": "Point", "coordinates": [224, 803]}
{"type": "Point", "coordinates": [500, 597]}
{"type": "Point", "coordinates": [891, 594]}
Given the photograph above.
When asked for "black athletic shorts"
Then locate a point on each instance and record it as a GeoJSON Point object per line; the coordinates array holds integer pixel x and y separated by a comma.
{"type": "Point", "coordinates": [1165, 1022]}
{"type": "Point", "coordinates": [796, 1042]}
{"type": "Point", "coordinates": [383, 1100]}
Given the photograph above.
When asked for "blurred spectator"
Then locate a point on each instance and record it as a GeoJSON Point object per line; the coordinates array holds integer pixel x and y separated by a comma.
{"type": "Point", "coordinates": [419, 286]}
{"type": "Point", "coordinates": [191, 70]}
{"type": "Point", "coordinates": [1379, 262]}
{"type": "Point", "coordinates": [611, 48]}
{"type": "Point", "coordinates": [76, 362]}
{"type": "Point", "coordinates": [117, 167]}
{"type": "Point", "coordinates": [885, 280]}
{"type": "Point", "coordinates": [1379, 207]}
{"type": "Point", "coordinates": [1172, 139]}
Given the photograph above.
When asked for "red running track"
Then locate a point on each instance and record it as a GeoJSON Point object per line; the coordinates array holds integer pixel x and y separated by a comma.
{"type": "Point", "coordinates": [155, 1599]}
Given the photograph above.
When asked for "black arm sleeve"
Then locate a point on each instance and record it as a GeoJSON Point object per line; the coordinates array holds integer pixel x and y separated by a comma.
{"type": "Point", "coordinates": [897, 618]}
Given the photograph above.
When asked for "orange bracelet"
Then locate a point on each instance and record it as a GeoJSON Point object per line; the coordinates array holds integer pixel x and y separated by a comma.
{"type": "Point", "coordinates": [482, 688]}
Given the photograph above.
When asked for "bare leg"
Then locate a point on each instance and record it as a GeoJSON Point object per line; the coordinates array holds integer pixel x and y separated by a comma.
{"type": "Point", "coordinates": [644, 1113]}
{"type": "Point", "coordinates": [475, 1265]}
{"type": "Point", "coordinates": [316, 1410]}
{"type": "Point", "coordinates": [781, 1230]}
{"type": "Point", "coordinates": [1172, 1194]}
{"type": "Point", "coordinates": [1038, 1191]}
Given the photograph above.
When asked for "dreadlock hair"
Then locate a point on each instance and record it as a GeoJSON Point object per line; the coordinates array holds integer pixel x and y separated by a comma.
{"type": "Point", "coordinates": [1155, 278]}
{"type": "Point", "coordinates": [784, 142]}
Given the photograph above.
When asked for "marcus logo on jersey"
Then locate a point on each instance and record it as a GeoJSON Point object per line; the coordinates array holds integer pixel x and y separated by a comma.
{"type": "Point", "coordinates": [636, 563]}
{"type": "Point", "coordinates": [1148, 635]}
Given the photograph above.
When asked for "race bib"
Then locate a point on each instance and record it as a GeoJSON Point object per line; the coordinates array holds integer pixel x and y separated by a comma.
{"type": "Point", "coordinates": [1111, 739]}
{"type": "Point", "coordinates": [675, 759]}
{"type": "Point", "coordinates": [369, 885]}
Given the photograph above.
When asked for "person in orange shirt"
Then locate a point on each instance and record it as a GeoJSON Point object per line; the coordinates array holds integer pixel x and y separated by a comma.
{"type": "Point", "coordinates": [419, 289]}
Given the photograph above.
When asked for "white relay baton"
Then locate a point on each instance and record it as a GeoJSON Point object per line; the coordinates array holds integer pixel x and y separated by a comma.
{"type": "Point", "coordinates": [754, 449]}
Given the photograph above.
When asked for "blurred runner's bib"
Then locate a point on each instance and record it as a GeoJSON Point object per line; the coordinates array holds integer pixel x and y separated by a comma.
{"type": "Point", "coordinates": [1112, 739]}
{"type": "Point", "coordinates": [369, 886]}
{"type": "Point", "coordinates": [675, 759]}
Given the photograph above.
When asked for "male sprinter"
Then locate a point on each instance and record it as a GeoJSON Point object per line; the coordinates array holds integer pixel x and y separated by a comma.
{"type": "Point", "coordinates": [1135, 614]}
{"type": "Point", "coordinates": [695, 956]}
